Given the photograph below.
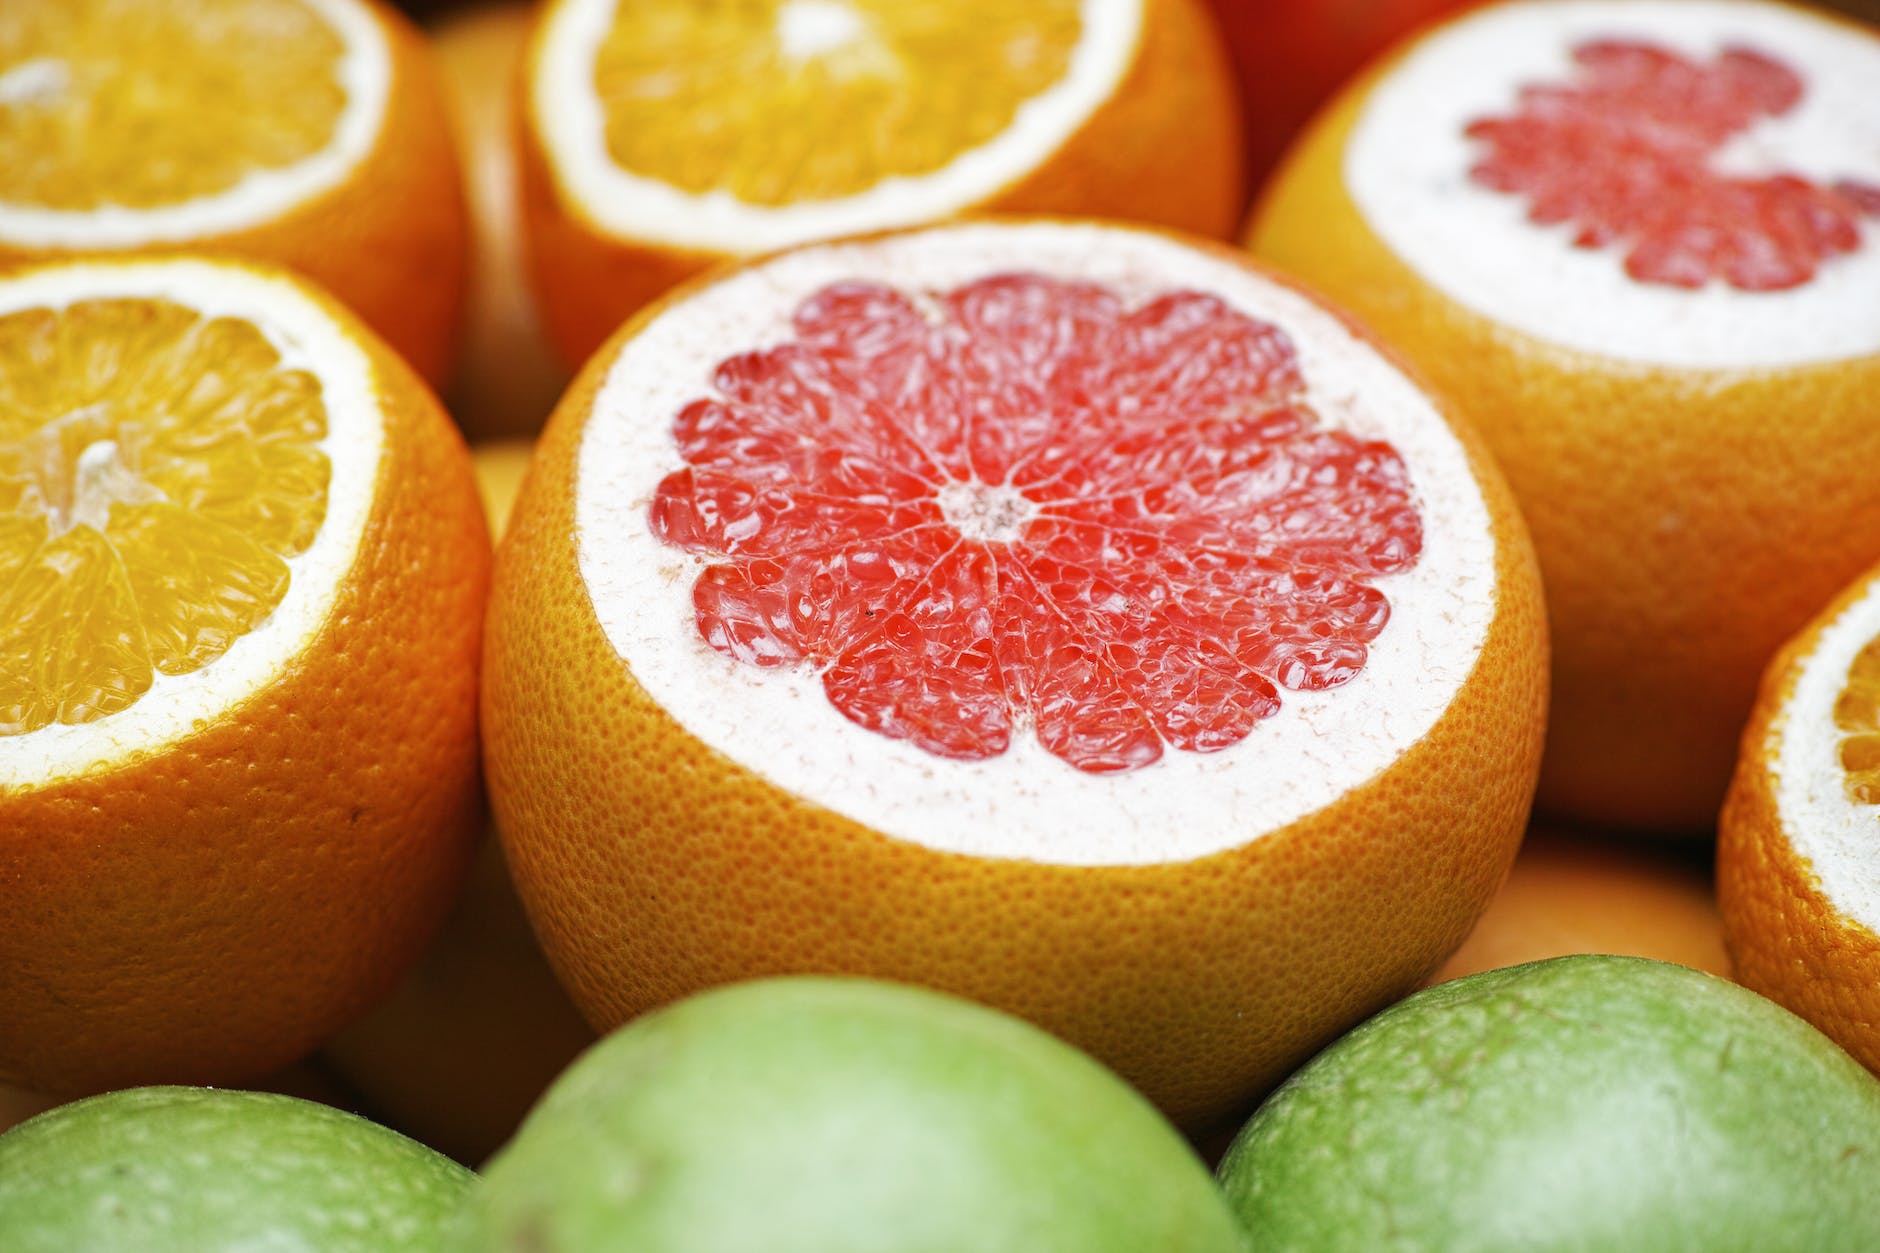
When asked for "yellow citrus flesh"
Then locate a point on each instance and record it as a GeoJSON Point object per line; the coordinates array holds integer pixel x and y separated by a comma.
{"type": "Point", "coordinates": [853, 78]}
{"type": "Point", "coordinates": [1857, 716]}
{"type": "Point", "coordinates": [158, 470]}
{"type": "Point", "coordinates": [138, 104]}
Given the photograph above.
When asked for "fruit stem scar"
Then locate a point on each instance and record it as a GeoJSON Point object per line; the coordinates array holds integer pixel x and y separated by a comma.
{"type": "Point", "coordinates": [39, 81]}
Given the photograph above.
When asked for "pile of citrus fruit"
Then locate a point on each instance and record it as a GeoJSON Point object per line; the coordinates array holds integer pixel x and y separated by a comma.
{"type": "Point", "coordinates": [1045, 559]}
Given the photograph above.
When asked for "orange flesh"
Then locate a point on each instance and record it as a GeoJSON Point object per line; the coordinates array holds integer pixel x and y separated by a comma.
{"type": "Point", "coordinates": [779, 101]}
{"type": "Point", "coordinates": [157, 471]}
{"type": "Point", "coordinates": [141, 104]}
{"type": "Point", "coordinates": [1857, 715]}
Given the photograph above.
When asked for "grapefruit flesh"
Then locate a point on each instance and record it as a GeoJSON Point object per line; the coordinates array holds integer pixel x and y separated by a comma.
{"type": "Point", "coordinates": [1629, 155]}
{"type": "Point", "coordinates": [1024, 503]}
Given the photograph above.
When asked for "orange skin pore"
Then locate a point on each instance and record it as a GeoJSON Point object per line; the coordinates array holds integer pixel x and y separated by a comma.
{"type": "Point", "coordinates": [1788, 941]}
{"type": "Point", "coordinates": [214, 910]}
{"type": "Point", "coordinates": [389, 240]}
{"type": "Point", "coordinates": [1164, 149]}
{"type": "Point", "coordinates": [654, 867]}
{"type": "Point", "coordinates": [1687, 521]}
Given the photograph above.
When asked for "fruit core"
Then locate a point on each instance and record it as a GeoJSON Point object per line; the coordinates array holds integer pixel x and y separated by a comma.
{"type": "Point", "coordinates": [1634, 154]}
{"type": "Point", "coordinates": [870, 89]}
{"type": "Point", "coordinates": [158, 470]}
{"type": "Point", "coordinates": [1028, 504]}
{"type": "Point", "coordinates": [135, 104]}
{"type": "Point", "coordinates": [1857, 717]}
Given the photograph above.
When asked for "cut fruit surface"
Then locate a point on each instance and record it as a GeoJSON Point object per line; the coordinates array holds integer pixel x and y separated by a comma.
{"type": "Point", "coordinates": [1632, 241]}
{"type": "Point", "coordinates": [1035, 505]}
{"type": "Point", "coordinates": [159, 470]}
{"type": "Point", "coordinates": [241, 574]}
{"type": "Point", "coordinates": [1079, 590]}
{"type": "Point", "coordinates": [656, 136]}
{"type": "Point", "coordinates": [1659, 121]}
{"type": "Point", "coordinates": [1798, 855]}
{"type": "Point", "coordinates": [305, 133]}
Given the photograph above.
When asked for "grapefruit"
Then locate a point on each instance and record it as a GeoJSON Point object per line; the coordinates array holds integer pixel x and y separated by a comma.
{"type": "Point", "coordinates": [660, 138]}
{"type": "Point", "coordinates": [1796, 864]}
{"type": "Point", "coordinates": [1636, 244]}
{"type": "Point", "coordinates": [843, 1116]}
{"type": "Point", "coordinates": [198, 1170]}
{"type": "Point", "coordinates": [242, 574]}
{"type": "Point", "coordinates": [1581, 1103]}
{"type": "Point", "coordinates": [309, 133]}
{"type": "Point", "coordinates": [507, 379]}
{"type": "Point", "coordinates": [1574, 892]}
{"type": "Point", "coordinates": [1067, 616]}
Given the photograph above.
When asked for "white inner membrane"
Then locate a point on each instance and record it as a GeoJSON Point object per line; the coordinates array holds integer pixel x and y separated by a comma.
{"type": "Point", "coordinates": [1026, 803]}
{"type": "Point", "coordinates": [365, 72]}
{"type": "Point", "coordinates": [307, 339]}
{"type": "Point", "coordinates": [571, 125]}
{"type": "Point", "coordinates": [1407, 168]}
{"type": "Point", "coordinates": [1838, 838]}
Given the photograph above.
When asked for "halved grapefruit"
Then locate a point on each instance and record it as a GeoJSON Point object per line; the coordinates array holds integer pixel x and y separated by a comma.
{"type": "Point", "coordinates": [1638, 244]}
{"type": "Point", "coordinates": [242, 574]}
{"type": "Point", "coordinates": [661, 136]}
{"type": "Point", "coordinates": [1064, 615]}
{"type": "Point", "coordinates": [1798, 850]}
{"type": "Point", "coordinates": [309, 133]}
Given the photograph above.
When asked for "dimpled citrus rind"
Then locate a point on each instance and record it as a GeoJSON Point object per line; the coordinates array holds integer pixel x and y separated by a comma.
{"type": "Point", "coordinates": [846, 1115]}
{"type": "Point", "coordinates": [1583, 1102]}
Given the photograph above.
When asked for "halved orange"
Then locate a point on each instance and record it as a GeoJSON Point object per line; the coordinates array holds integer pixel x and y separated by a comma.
{"type": "Point", "coordinates": [1638, 246]}
{"type": "Point", "coordinates": [242, 567]}
{"type": "Point", "coordinates": [1798, 851]}
{"type": "Point", "coordinates": [1068, 616]}
{"type": "Point", "coordinates": [660, 136]}
{"type": "Point", "coordinates": [309, 133]}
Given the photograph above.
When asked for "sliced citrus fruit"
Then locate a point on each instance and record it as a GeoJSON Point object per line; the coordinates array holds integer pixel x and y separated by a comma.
{"type": "Point", "coordinates": [1572, 892]}
{"type": "Point", "coordinates": [507, 378]}
{"type": "Point", "coordinates": [304, 132]}
{"type": "Point", "coordinates": [241, 571]}
{"type": "Point", "coordinates": [661, 136]}
{"type": "Point", "coordinates": [1062, 615]}
{"type": "Point", "coordinates": [1798, 871]}
{"type": "Point", "coordinates": [1637, 243]}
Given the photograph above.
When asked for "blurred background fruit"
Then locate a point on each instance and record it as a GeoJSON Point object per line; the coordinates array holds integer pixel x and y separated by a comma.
{"type": "Point", "coordinates": [1579, 1103]}
{"type": "Point", "coordinates": [1798, 869]}
{"type": "Point", "coordinates": [238, 658]}
{"type": "Point", "coordinates": [920, 814]}
{"type": "Point", "coordinates": [1681, 391]}
{"type": "Point", "coordinates": [310, 135]}
{"type": "Point", "coordinates": [198, 1170]}
{"type": "Point", "coordinates": [843, 1116]}
{"type": "Point", "coordinates": [1579, 892]}
{"type": "Point", "coordinates": [661, 138]}
{"type": "Point", "coordinates": [507, 380]}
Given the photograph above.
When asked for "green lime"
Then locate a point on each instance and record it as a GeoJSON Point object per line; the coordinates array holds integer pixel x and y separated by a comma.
{"type": "Point", "coordinates": [843, 1116]}
{"type": "Point", "coordinates": [1583, 1103]}
{"type": "Point", "coordinates": [201, 1170]}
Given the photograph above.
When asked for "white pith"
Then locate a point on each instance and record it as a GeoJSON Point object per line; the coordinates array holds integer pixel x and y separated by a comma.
{"type": "Point", "coordinates": [1407, 169]}
{"type": "Point", "coordinates": [365, 72]}
{"type": "Point", "coordinates": [308, 339]}
{"type": "Point", "coordinates": [1837, 838]}
{"type": "Point", "coordinates": [568, 121]}
{"type": "Point", "coordinates": [1026, 803]}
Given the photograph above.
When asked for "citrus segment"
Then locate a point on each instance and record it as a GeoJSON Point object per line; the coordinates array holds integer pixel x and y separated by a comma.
{"type": "Point", "coordinates": [161, 468]}
{"type": "Point", "coordinates": [1857, 715]}
{"type": "Point", "coordinates": [1658, 122]}
{"type": "Point", "coordinates": [244, 86]}
{"type": "Point", "coordinates": [1122, 526]}
{"type": "Point", "coordinates": [856, 78]}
